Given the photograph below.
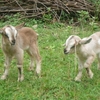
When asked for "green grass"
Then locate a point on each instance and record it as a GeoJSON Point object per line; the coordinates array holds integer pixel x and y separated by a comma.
{"type": "Point", "coordinates": [58, 70]}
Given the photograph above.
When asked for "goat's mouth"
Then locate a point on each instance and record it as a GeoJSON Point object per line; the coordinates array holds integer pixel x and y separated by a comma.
{"type": "Point", "coordinates": [65, 51]}
{"type": "Point", "coordinates": [13, 43]}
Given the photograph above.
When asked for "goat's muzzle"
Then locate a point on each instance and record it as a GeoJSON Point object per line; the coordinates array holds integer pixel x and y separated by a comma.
{"type": "Point", "coordinates": [65, 51]}
{"type": "Point", "coordinates": [13, 42]}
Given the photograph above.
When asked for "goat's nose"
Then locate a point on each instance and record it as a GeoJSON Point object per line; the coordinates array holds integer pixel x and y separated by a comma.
{"type": "Point", "coordinates": [65, 50]}
{"type": "Point", "coordinates": [13, 42]}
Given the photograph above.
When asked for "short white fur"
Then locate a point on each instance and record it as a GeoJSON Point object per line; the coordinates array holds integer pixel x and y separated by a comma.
{"type": "Point", "coordinates": [86, 50]}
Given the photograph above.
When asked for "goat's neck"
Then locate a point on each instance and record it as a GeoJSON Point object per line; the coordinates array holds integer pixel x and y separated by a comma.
{"type": "Point", "coordinates": [81, 52]}
{"type": "Point", "coordinates": [79, 49]}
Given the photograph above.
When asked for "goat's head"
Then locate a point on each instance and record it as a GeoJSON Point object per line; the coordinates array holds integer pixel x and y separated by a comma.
{"type": "Point", "coordinates": [74, 41]}
{"type": "Point", "coordinates": [10, 33]}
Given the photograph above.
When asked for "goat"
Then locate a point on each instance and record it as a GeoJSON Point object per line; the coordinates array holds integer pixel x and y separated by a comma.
{"type": "Point", "coordinates": [86, 50]}
{"type": "Point", "coordinates": [16, 40]}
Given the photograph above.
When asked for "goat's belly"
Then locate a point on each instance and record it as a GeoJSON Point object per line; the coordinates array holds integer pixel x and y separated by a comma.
{"type": "Point", "coordinates": [97, 51]}
{"type": "Point", "coordinates": [24, 47]}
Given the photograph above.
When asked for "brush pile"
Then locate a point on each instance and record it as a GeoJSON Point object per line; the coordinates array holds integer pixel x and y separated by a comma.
{"type": "Point", "coordinates": [37, 8]}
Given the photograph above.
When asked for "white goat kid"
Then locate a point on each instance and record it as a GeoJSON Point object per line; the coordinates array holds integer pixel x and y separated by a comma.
{"type": "Point", "coordinates": [86, 50]}
{"type": "Point", "coordinates": [14, 41]}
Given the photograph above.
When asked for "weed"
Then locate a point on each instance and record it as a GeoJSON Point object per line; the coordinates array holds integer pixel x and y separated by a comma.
{"type": "Point", "coordinates": [58, 70]}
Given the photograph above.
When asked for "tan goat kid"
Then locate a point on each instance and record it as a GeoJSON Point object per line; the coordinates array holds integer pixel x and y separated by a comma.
{"type": "Point", "coordinates": [14, 41]}
{"type": "Point", "coordinates": [86, 50]}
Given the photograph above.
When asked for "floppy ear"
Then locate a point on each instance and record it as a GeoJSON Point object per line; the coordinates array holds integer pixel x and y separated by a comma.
{"type": "Point", "coordinates": [85, 40]}
{"type": "Point", "coordinates": [20, 26]}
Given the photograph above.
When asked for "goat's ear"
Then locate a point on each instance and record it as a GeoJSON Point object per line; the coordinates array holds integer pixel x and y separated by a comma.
{"type": "Point", "coordinates": [20, 26]}
{"type": "Point", "coordinates": [1, 31]}
{"type": "Point", "coordinates": [85, 40]}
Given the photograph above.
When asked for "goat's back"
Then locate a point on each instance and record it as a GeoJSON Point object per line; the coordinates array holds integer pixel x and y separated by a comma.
{"type": "Point", "coordinates": [26, 37]}
{"type": "Point", "coordinates": [96, 36]}
{"type": "Point", "coordinates": [28, 33]}
{"type": "Point", "coordinates": [95, 43]}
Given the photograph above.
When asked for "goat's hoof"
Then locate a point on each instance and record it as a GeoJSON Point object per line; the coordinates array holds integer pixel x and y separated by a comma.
{"type": "Point", "coordinates": [20, 79]}
{"type": "Point", "coordinates": [38, 75]}
{"type": "Point", "coordinates": [3, 77]}
{"type": "Point", "coordinates": [91, 75]}
{"type": "Point", "coordinates": [77, 79]}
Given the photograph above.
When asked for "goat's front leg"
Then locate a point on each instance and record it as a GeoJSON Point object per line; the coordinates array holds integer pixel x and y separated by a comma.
{"type": "Point", "coordinates": [87, 65]}
{"type": "Point", "coordinates": [89, 72]}
{"type": "Point", "coordinates": [20, 72]}
{"type": "Point", "coordinates": [6, 67]}
{"type": "Point", "coordinates": [19, 57]}
{"type": "Point", "coordinates": [79, 75]}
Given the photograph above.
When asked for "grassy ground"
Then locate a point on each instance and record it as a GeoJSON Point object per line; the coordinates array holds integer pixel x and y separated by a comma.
{"type": "Point", "coordinates": [58, 70]}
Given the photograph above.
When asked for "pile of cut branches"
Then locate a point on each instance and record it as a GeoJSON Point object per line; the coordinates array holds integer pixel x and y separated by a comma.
{"type": "Point", "coordinates": [37, 8]}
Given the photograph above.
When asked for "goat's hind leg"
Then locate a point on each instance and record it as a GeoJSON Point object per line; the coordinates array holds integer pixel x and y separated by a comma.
{"type": "Point", "coordinates": [31, 67]}
{"type": "Point", "coordinates": [35, 53]}
{"type": "Point", "coordinates": [6, 67]}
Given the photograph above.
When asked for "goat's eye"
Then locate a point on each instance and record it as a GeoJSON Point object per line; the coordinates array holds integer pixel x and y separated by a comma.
{"type": "Point", "coordinates": [6, 35]}
{"type": "Point", "coordinates": [72, 46]}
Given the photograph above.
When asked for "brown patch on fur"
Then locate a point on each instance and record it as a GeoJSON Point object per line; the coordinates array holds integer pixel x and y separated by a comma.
{"type": "Point", "coordinates": [26, 40]}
